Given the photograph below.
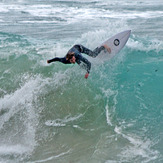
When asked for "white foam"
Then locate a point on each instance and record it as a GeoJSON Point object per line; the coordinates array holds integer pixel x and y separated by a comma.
{"type": "Point", "coordinates": [62, 122]}
{"type": "Point", "coordinates": [22, 100]}
{"type": "Point", "coordinates": [108, 119]}
{"type": "Point", "coordinates": [95, 38]}
{"type": "Point", "coordinates": [137, 147]}
{"type": "Point", "coordinates": [133, 14]}
{"type": "Point", "coordinates": [51, 51]}
{"type": "Point", "coordinates": [22, 96]}
{"type": "Point", "coordinates": [41, 10]}
{"type": "Point", "coordinates": [74, 14]}
{"type": "Point", "coordinates": [152, 44]}
{"type": "Point", "coordinates": [67, 15]}
{"type": "Point", "coordinates": [108, 93]}
{"type": "Point", "coordinates": [10, 49]}
{"type": "Point", "coordinates": [53, 157]}
{"type": "Point", "coordinates": [1, 90]}
{"type": "Point", "coordinates": [92, 39]}
{"type": "Point", "coordinates": [3, 8]}
{"type": "Point", "coordinates": [13, 149]}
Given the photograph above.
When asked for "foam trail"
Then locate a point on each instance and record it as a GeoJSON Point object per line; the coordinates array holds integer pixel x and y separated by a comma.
{"type": "Point", "coordinates": [110, 95]}
{"type": "Point", "coordinates": [108, 116]}
{"type": "Point", "coordinates": [53, 157]}
{"type": "Point", "coordinates": [62, 122]}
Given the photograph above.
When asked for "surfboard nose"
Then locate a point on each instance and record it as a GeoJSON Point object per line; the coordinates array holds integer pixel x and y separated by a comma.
{"type": "Point", "coordinates": [129, 31]}
{"type": "Point", "coordinates": [126, 33]}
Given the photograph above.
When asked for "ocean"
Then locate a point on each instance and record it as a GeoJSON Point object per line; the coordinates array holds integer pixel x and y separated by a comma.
{"type": "Point", "coordinates": [49, 113]}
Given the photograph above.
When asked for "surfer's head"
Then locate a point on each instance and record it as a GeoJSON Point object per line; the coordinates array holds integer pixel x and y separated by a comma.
{"type": "Point", "coordinates": [71, 57]}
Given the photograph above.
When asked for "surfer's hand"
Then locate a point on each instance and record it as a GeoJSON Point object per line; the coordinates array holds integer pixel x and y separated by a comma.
{"type": "Point", "coordinates": [86, 75]}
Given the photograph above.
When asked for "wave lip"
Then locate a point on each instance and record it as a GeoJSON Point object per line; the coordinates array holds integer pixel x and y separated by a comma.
{"type": "Point", "coordinates": [19, 119]}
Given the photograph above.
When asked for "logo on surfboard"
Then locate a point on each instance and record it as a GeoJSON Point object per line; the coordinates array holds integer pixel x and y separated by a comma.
{"type": "Point", "coordinates": [116, 42]}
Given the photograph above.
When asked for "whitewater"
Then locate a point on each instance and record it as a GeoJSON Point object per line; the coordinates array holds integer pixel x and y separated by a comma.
{"type": "Point", "coordinates": [50, 112]}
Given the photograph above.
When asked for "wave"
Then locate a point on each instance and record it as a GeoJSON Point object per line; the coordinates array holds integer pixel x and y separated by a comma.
{"type": "Point", "coordinates": [44, 101]}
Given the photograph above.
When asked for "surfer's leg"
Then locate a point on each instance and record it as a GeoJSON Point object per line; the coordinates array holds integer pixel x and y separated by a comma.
{"type": "Point", "coordinates": [85, 50]}
{"type": "Point", "coordinates": [89, 52]}
{"type": "Point", "coordinates": [98, 50]}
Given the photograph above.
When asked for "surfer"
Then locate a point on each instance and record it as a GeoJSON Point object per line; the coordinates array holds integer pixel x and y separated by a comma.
{"type": "Point", "coordinates": [74, 56]}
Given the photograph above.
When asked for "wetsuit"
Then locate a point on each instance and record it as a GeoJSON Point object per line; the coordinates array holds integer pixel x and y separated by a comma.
{"type": "Point", "coordinates": [78, 49]}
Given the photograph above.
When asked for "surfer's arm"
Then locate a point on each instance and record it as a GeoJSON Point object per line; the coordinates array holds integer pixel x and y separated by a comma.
{"type": "Point", "coordinates": [87, 65]}
{"type": "Point", "coordinates": [63, 60]}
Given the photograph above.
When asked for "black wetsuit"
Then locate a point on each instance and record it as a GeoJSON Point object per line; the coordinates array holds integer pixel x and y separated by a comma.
{"type": "Point", "coordinates": [78, 49]}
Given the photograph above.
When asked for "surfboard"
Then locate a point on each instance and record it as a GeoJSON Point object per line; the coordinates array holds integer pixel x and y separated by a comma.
{"type": "Point", "coordinates": [117, 42]}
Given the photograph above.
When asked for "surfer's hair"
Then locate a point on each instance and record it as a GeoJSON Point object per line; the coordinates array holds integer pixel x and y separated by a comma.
{"type": "Point", "coordinates": [69, 55]}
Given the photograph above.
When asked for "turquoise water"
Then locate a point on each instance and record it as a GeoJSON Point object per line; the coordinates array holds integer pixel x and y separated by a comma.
{"type": "Point", "coordinates": [50, 113]}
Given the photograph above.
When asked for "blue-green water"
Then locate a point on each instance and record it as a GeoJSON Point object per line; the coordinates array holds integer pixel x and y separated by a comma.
{"type": "Point", "coordinates": [50, 113]}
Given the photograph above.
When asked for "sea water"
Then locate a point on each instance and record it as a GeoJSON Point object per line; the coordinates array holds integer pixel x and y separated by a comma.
{"type": "Point", "coordinates": [50, 113]}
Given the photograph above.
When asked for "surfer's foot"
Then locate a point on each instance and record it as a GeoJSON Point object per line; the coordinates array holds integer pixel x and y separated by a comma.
{"type": "Point", "coordinates": [48, 61]}
{"type": "Point", "coordinates": [107, 48]}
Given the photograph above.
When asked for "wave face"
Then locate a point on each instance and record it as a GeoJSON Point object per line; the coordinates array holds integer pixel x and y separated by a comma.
{"type": "Point", "coordinates": [50, 113]}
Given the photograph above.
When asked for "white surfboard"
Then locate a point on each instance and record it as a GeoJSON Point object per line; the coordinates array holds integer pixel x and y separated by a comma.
{"type": "Point", "coordinates": [117, 42]}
